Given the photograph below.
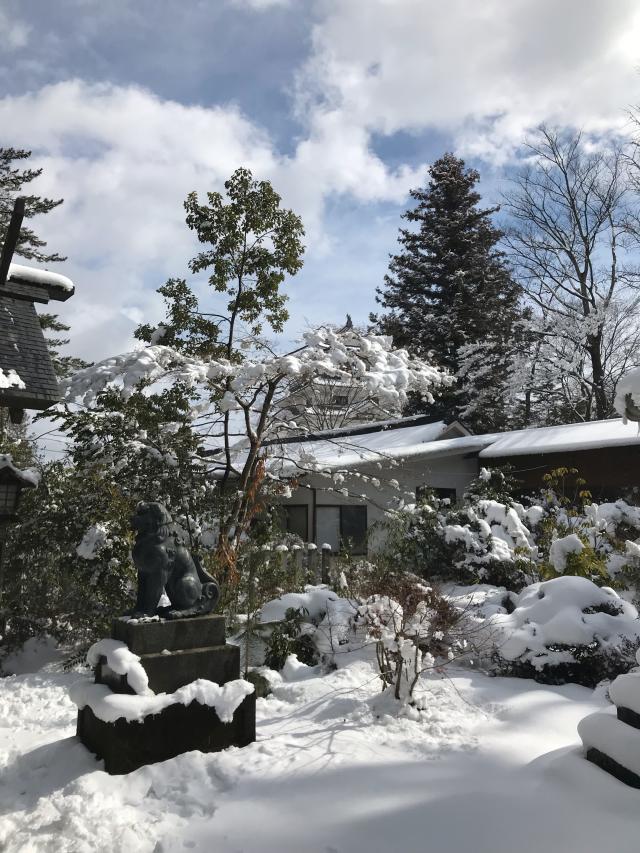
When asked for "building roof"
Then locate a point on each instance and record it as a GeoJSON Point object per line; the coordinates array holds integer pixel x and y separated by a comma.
{"type": "Point", "coordinates": [562, 439]}
{"type": "Point", "coordinates": [351, 447]}
{"type": "Point", "coordinates": [24, 357]}
{"type": "Point", "coordinates": [405, 439]}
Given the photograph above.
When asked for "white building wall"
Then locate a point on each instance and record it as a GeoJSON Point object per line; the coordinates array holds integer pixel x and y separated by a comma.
{"type": "Point", "coordinates": [442, 472]}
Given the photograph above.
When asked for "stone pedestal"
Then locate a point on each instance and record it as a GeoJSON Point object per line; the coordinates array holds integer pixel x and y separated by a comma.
{"type": "Point", "coordinates": [613, 742]}
{"type": "Point", "coordinates": [173, 653]}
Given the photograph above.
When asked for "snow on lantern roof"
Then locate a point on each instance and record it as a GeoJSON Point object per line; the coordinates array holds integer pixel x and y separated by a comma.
{"type": "Point", "coordinates": [563, 438]}
{"type": "Point", "coordinates": [57, 286]}
{"type": "Point", "coordinates": [29, 476]}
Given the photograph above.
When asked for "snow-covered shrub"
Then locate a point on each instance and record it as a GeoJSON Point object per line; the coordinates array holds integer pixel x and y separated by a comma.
{"type": "Point", "coordinates": [630, 571]}
{"type": "Point", "coordinates": [483, 539]}
{"type": "Point", "coordinates": [67, 564]}
{"type": "Point", "coordinates": [408, 626]}
{"type": "Point", "coordinates": [579, 537]}
{"type": "Point", "coordinates": [566, 630]}
{"type": "Point", "coordinates": [411, 625]}
{"type": "Point", "coordinates": [291, 636]}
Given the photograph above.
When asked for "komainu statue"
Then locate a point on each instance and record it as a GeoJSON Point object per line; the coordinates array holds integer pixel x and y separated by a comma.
{"type": "Point", "coordinates": [164, 563]}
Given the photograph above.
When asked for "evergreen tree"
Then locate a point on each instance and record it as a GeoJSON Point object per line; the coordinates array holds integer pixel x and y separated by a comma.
{"type": "Point", "coordinates": [64, 365]}
{"type": "Point", "coordinates": [449, 292]}
{"type": "Point", "coordinates": [12, 181]}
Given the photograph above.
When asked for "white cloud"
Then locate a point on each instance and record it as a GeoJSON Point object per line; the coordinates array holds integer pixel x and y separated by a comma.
{"type": "Point", "coordinates": [14, 33]}
{"type": "Point", "coordinates": [259, 5]}
{"type": "Point", "coordinates": [124, 160]}
{"type": "Point", "coordinates": [483, 72]}
{"type": "Point", "coordinates": [480, 73]}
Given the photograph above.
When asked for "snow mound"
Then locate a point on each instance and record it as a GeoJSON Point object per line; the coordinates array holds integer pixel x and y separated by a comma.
{"type": "Point", "coordinates": [625, 692]}
{"type": "Point", "coordinates": [296, 670]}
{"type": "Point", "coordinates": [109, 706]}
{"type": "Point", "coordinates": [123, 661]}
{"type": "Point", "coordinates": [314, 600]}
{"type": "Point", "coordinates": [569, 623]}
{"type": "Point", "coordinates": [619, 741]}
{"type": "Point", "coordinates": [35, 654]}
{"type": "Point", "coordinates": [561, 548]}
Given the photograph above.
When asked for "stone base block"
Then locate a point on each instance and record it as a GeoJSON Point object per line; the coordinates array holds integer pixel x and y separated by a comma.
{"type": "Point", "coordinates": [147, 638]}
{"type": "Point", "coordinates": [631, 718]}
{"type": "Point", "coordinates": [605, 763]}
{"type": "Point", "coordinates": [125, 746]}
{"type": "Point", "coordinates": [168, 672]}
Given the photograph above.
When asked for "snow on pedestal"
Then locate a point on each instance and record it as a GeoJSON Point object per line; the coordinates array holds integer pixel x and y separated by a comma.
{"type": "Point", "coordinates": [613, 742]}
{"type": "Point", "coordinates": [162, 688]}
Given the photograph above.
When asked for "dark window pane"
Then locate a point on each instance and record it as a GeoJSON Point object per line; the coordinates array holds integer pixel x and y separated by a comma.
{"type": "Point", "coordinates": [296, 520]}
{"type": "Point", "coordinates": [353, 528]}
{"type": "Point", "coordinates": [328, 526]}
{"type": "Point", "coordinates": [423, 492]}
{"type": "Point", "coordinates": [446, 493]}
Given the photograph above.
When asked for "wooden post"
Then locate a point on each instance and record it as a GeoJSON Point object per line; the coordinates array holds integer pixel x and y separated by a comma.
{"type": "Point", "coordinates": [11, 238]}
{"type": "Point", "coordinates": [297, 566]}
{"type": "Point", "coordinates": [312, 563]}
{"type": "Point", "coordinates": [326, 563]}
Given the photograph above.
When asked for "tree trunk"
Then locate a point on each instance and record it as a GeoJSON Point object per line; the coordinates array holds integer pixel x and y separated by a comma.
{"type": "Point", "coordinates": [594, 346]}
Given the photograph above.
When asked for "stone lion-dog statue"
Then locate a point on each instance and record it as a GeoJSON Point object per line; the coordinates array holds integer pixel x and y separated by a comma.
{"type": "Point", "coordinates": [164, 563]}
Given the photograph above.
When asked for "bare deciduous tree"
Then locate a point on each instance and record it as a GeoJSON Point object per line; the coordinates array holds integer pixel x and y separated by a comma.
{"type": "Point", "coordinates": [571, 245]}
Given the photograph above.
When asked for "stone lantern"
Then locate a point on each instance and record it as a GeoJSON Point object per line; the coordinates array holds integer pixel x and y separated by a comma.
{"type": "Point", "coordinates": [27, 376]}
{"type": "Point", "coordinates": [12, 482]}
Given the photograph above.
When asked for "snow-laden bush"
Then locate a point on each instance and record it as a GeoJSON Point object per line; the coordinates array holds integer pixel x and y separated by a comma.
{"type": "Point", "coordinates": [565, 630]}
{"type": "Point", "coordinates": [577, 536]}
{"type": "Point", "coordinates": [410, 628]}
{"type": "Point", "coordinates": [486, 539]}
{"type": "Point", "coordinates": [489, 537]}
{"type": "Point", "coordinates": [413, 629]}
{"type": "Point", "coordinates": [291, 636]}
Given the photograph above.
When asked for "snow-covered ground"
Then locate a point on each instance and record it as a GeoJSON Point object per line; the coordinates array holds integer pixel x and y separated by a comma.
{"type": "Point", "coordinates": [492, 765]}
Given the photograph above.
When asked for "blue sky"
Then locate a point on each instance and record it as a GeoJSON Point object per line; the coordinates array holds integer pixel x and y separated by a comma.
{"type": "Point", "coordinates": [130, 104]}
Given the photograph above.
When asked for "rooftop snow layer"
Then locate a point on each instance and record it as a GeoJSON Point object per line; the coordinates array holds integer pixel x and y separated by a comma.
{"type": "Point", "coordinates": [353, 450]}
{"type": "Point", "coordinates": [344, 450]}
{"type": "Point", "coordinates": [17, 272]}
{"type": "Point", "coordinates": [562, 439]}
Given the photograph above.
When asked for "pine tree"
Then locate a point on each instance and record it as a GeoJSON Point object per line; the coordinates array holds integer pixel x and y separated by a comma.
{"type": "Point", "coordinates": [64, 365]}
{"type": "Point", "coordinates": [449, 290]}
{"type": "Point", "coordinates": [12, 180]}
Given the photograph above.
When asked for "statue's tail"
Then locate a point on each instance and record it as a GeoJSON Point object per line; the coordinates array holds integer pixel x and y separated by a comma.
{"type": "Point", "coordinates": [210, 588]}
{"type": "Point", "coordinates": [203, 574]}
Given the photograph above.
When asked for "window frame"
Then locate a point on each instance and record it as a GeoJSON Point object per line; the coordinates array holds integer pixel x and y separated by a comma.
{"type": "Point", "coordinates": [340, 507]}
{"type": "Point", "coordinates": [284, 508]}
{"type": "Point", "coordinates": [438, 492]}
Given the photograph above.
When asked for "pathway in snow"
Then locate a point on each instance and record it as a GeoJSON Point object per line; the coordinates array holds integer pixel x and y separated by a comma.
{"type": "Point", "coordinates": [491, 766]}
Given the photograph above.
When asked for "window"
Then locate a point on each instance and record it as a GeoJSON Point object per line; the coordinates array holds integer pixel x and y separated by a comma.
{"type": "Point", "coordinates": [295, 519]}
{"type": "Point", "coordinates": [353, 528]}
{"type": "Point", "coordinates": [340, 400]}
{"type": "Point", "coordinates": [342, 527]}
{"type": "Point", "coordinates": [442, 492]}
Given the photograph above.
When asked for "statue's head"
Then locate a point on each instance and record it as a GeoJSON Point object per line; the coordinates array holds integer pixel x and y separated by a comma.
{"type": "Point", "coordinates": [150, 517]}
